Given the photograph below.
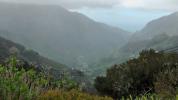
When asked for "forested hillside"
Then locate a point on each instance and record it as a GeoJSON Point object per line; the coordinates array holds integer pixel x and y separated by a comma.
{"type": "Point", "coordinates": [150, 76]}
{"type": "Point", "coordinates": [9, 48]}
{"type": "Point", "coordinates": [29, 57]}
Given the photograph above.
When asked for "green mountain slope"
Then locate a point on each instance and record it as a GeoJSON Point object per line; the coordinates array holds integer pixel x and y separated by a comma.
{"type": "Point", "coordinates": [158, 34]}
{"type": "Point", "coordinates": [58, 33]}
{"type": "Point", "coordinates": [57, 70]}
{"type": "Point", "coordinates": [9, 48]}
{"type": "Point", "coordinates": [164, 25]}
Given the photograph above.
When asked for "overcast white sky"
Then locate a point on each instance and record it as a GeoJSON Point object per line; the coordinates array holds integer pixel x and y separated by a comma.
{"type": "Point", "coordinates": [122, 13]}
{"type": "Point", "coordinates": [145, 4]}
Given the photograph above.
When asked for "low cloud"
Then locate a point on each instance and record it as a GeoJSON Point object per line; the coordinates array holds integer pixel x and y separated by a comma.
{"type": "Point", "coordinates": [73, 4]}
{"type": "Point", "coordinates": [171, 5]}
{"type": "Point", "coordinates": [76, 4]}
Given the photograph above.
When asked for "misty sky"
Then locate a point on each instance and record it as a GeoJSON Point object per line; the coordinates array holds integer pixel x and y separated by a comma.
{"type": "Point", "coordinates": [131, 15]}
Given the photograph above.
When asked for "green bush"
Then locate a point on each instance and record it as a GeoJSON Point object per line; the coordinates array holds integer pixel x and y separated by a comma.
{"type": "Point", "coordinates": [151, 72]}
{"type": "Point", "coordinates": [18, 83]}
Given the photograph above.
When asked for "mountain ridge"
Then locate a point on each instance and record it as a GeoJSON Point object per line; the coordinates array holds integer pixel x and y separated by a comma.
{"type": "Point", "coordinates": [9, 48]}
{"type": "Point", "coordinates": [155, 34]}
{"type": "Point", "coordinates": [163, 25]}
{"type": "Point", "coordinates": [52, 30]}
{"type": "Point", "coordinates": [147, 39]}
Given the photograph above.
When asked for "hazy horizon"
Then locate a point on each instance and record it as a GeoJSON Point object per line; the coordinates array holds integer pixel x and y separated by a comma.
{"type": "Point", "coordinates": [131, 20]}
{"type": "Point", "coordinates": [130, 15]}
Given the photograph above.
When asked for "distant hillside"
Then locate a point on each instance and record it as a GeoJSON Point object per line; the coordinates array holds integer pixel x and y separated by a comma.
{"type": "Point", "coordinates": [9, 48]}
{"type": "Point", "coordinates": [57, 70]}
{"type": "Point", "coordinates": [164, 25]}
{"type": "Point", "coordinates": [159, 34]}
{"type": "Point", "coordinates": [61, 35]}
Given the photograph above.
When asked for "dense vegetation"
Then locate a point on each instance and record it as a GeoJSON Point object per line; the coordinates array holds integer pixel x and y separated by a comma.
{"type": "Point", "coordinates": [18, 82]}
{"type": "Point", "coordinates": [29, 57]}
{"type": "Point", "coordinates": [84, 45]}
{"type": "Point", "coordinates": [151, 73]}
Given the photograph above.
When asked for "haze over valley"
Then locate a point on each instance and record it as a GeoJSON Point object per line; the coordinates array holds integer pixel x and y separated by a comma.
{"type": "Point", "coordinates": [108, 48]}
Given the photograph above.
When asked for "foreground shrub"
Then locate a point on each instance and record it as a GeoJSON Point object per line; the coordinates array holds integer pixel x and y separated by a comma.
{"type": "Point", "coordinates": [20, 84]}
{"type": "Point", "coordinates": [70, 95]}
{"type": "Point", "coordinates": [25, 83]}
{"type": "Point", "coordinates": [151, 72]}
{"type": "Point", "coordinates": [167, 83]}
{"type": "Point", "coordinates": [144, 97]}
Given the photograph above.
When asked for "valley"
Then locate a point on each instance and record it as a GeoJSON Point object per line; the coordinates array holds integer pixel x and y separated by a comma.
{"type": "Point", "coordinates": [72, 54]}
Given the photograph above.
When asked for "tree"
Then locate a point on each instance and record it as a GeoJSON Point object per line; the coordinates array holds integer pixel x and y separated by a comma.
{"type": "Point", "coordinates": [140, 75]}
